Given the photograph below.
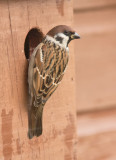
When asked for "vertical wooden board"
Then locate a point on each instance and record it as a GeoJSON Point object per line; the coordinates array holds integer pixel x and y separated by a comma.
{"type": "Point", "coordinates": [59, 134]}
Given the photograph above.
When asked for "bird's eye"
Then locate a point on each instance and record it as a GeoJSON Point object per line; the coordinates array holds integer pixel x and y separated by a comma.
{"type": "Point", "coordinates": [66, 32]}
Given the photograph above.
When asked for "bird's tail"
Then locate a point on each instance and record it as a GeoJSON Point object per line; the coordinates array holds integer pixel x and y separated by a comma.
{"type": "Point", "coordinates": [35, 122]}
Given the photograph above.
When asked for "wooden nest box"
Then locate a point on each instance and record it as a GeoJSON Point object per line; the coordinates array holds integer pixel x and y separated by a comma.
{"type": "Point", "coordinates": [58, 141]}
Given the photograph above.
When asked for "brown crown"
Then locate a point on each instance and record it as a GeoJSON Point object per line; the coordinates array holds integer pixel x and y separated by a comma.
{"type": "Point", "coordinates": [59, 29]}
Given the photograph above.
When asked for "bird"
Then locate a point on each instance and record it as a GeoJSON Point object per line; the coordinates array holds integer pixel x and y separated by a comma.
{"type": "Point", "coordinates": [47, 65]}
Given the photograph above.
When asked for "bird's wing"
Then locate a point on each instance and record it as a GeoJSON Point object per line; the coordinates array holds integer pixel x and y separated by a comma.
{"type": "Point", "coordinates": [35, 79]}
{"type": "Point", "coordinates": [54, 60]}
{"type": "Point", "coordinates": [44, 73]}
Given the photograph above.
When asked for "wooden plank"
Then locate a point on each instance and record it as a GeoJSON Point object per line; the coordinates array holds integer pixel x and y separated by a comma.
{"type": "Point", "coordinates": [98, 147]}
{"type": "Point", "coordinates": [95, 60]}
{"type": "Point", "coordinates": [97, 135]}
{"type": "Point", "coordinates": [89, 4]}
{"type": "Point", "coordinates": [93, 123]}
{"type": "Point", "coordinates": [95, 22]}
{"type": "Point", "coordinates": [59, 137]}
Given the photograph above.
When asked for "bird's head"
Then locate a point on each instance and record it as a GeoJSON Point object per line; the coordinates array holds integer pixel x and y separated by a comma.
{"type": "Point", "coordinates": [63, 34]}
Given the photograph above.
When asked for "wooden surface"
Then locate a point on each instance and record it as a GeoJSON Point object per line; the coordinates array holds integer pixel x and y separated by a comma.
{"type": "Point", "coordinates": [80, 5]}
{"type": "Point", "coordinates": [96, 60]}
{"type": "Point", "coordinates": [97, 135]}
{"type": "Point", "coordinates": [58, 141]}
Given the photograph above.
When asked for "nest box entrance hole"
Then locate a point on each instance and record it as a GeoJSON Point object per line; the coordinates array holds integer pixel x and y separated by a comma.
{"type": "Point", "coordinates": [33, 38]}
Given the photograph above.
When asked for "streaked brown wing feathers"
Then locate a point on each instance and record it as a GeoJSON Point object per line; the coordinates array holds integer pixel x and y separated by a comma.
{"type": "Point", "coordinates": [49, 72]}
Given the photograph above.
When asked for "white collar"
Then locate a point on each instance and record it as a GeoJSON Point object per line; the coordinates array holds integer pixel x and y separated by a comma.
{"type": "Point", "coordinates": [49, 38]}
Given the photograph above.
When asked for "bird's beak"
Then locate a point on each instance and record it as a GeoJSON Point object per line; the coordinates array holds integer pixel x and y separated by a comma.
{"type": "Point", "coordinates": [75, 36]}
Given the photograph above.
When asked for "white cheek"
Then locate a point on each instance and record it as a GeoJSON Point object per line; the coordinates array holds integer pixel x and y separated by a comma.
{"type": "Point", "coordinates": [64, 42]}
{"type": "Point", "coordinates": [41, 56]}
{"type": "Point", "coordinates": [64, 37]}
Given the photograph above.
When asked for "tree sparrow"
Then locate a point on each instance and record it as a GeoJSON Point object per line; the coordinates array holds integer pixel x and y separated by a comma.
{"type": "Point", "coordinates": [47, 65]}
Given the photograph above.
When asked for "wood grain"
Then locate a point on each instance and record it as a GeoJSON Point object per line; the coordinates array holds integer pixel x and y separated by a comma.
{"type": "Point", "coordinates": [58, 141]}
{"type": "Point", "coordinates": [95, 60]}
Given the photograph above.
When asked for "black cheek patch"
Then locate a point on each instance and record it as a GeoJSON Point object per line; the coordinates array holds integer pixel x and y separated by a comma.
{"type": "Point", "coordinates": [60, 39]}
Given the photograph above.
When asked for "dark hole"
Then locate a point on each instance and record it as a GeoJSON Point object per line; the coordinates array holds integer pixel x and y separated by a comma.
{"type": "Point", "coordinates": [33, 38]}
